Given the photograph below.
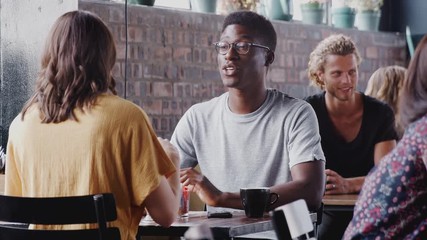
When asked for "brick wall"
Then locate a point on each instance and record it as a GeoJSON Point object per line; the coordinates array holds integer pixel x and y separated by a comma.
{"type": "Point", "coordinates": [172, 65]}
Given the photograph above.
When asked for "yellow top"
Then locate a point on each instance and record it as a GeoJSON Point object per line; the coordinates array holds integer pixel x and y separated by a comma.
{"type": "Point", "coordinates": [111, 148]}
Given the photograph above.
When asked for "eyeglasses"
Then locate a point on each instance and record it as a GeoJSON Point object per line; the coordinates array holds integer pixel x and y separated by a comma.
{"type": "Point", "coordinates": [241, 48]}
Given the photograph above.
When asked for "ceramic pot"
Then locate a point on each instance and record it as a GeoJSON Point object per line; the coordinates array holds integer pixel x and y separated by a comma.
{"type": "Point", "coordinates": [343, 17]}
{"type": "Point", "coordinates": [226, 7]}
{"type": "Point", "coordinates": [368, 20]}
{"type": "Point", "coordinates": [278, 9]}
{"type": "Point", "coordinates": [142, 2]}
{"type": "Point", "coordinates": [312, 14]}
{"type": "Point", "coordinates": [206, 6]}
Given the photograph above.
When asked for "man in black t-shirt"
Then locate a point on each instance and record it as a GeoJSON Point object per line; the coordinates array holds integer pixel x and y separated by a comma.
{"type": "Point", "coordinates": [356, 130]}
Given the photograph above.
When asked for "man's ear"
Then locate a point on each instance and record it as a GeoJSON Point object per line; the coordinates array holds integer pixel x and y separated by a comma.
{"type": "Point", "coordinates": [269, 58]}
{"type": "Point", "coordinates": [320, 80]}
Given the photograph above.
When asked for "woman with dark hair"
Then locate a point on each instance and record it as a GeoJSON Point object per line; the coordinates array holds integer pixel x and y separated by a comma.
{"type": "Point", "coordinates": [76, 137]}
{"type": "Point", "coordinates": [393, 200]}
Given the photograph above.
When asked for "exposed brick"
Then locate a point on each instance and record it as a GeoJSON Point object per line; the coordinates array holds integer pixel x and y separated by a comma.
{"type": "Point", "coordinates": [171, 107]}
{"type": "Point", "coordinates": [116, 14]}
{"type": "Point", "coordinates": [372, 52]}
{"type": "Point", "coordinates": [142, 89]}
{"type": "Point", "coordinates": [153, 106]}
{"type": "Point", "coordinates": [130, 89]}
{"type": "Point", "coordinates": [135, 70]}
{"type": "Point", "coordinates": [182, 54]}
{"type": "Point", "coordinates": [211, 74]}
{"type": "Point", "coordinates": [164, 124]}
{"type": "Point", "coordinates": [182, 90]}
{"type": "Point", "coordinates": [218, 88]}
{"type": "Point", "coordinates": [120, 88]}
{"type": "Point", "coordinates": [277, 75]}
{"type": "Point", "coordinates": [183, 37]}
{"type": "Point", "coordinates": [289, 60]}
{"type": "Point", "coordinates": [191, 73]}
{"type": "Point", "coordinates": [172, 64]}
{"type": "Point", "coordinates": [162, 89]}
{"type": "Point", "coordinates": [135, 34]}
{"type": "Point", "coordinates": [202, 90]}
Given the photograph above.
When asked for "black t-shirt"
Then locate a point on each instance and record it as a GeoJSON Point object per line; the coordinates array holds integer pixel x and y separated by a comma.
{"type": "Point", "coordinates": [355, 158]}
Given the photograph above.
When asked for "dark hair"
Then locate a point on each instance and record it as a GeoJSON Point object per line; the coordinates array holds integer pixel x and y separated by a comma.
{"type": "Point", "coordinates": [76, 66]}
{"type": "Point", "coordinates": [413, 101]}
{"type": "Point", "coordinates": [261, 26]}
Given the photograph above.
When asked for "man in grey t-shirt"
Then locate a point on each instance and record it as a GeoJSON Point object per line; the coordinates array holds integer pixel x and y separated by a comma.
{"type": "Point", "coordinates": [250, 136]}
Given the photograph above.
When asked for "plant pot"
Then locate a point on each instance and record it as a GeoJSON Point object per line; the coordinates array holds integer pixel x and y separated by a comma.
{"type": "Point", "coordinates": [142, 2]}
{"type": "Point", "coordinates": [312, 13]}
{"type": "Point", "coordinates": [368, 20]}
{"type": "Point", "coordinates": [343, 17]}
{"type": "Point", "coordinates": [278, 9]}
{"type": "Point", "coordinates": [226, 7]}
{"type": "Point", "coordinates": [205, 6]}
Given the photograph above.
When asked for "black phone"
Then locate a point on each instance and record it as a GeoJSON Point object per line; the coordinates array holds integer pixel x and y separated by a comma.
{"type": "Point", "coordinates": [223, 214]}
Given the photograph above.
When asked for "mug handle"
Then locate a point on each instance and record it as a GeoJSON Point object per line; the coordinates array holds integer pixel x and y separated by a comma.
{"type": "Point", "coordinates": [244, 202]}
{"type": "Point", "coordinates": [273, 198]}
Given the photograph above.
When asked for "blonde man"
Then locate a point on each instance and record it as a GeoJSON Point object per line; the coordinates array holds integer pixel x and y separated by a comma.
{"type": "Point", "coordinates": [356, 130]}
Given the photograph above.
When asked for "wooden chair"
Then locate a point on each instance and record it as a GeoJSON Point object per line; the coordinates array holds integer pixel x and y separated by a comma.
{"type": "Point", "coordinates": [99, 208]}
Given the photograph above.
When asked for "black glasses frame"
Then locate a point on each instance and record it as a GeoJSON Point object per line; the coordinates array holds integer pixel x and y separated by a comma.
{"type": "Point", "coordinates": [233, 45]}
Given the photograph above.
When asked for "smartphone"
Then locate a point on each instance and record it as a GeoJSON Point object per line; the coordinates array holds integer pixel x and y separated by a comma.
{"type": "Point", "coordinates": [220, 214]}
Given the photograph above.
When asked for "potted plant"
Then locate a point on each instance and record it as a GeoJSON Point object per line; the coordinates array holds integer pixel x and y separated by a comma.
{"type": "Point", "coordinates": [343, 14]}
{"type": "Point", "coordinates": [313, 11]}
{"type": "Point", "coordinates": [206, 6]}
{"type": "Point", "coordinates": [227, 6]}
{"type": "Point", "coordinates": [142, 2]}
{"type": "Point", "coordinates": [368, 14]}
{"type": "Point", "coordinates": [277, 9]}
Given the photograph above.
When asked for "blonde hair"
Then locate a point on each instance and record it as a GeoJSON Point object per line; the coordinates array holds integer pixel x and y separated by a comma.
{"type": "Point", "coordinates": [385, 84]}
{"type": "Point", "coordinates": [337, 44]}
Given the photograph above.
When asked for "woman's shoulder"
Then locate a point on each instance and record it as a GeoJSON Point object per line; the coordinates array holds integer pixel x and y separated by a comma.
{"type": "Point", "coordinates": [112, 105]}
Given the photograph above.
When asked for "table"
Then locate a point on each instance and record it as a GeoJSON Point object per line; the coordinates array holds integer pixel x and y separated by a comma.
{"type": "Point", "coordinates": [344, 202]}
{"type": "Point", "coordinates": [222, 228]}
{"type": "Point", "coordinates": [2, 177]}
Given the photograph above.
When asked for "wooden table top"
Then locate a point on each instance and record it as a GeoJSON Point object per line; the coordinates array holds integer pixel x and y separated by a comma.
{"type": "Point", "coordinates": [2, 183]}
{"type": "Point", "coordinates": [222, 228]}
{"type": "Point", "coordinates": [344, 202]}
{"type": "Point", "coordinates": [340, 200]}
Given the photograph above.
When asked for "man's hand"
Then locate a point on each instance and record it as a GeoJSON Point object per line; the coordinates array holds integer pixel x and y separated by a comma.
{"type": "Point", "coordinates": [199, 184]}
{"type": "Point", "coordinates": [335, 184]}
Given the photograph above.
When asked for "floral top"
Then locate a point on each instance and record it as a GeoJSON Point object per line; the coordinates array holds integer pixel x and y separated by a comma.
{"type": "Point", "coordinates": [393, 200]}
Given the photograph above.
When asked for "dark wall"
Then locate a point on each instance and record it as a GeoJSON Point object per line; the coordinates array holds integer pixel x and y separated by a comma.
{"type": "Point", "coordinates": [397, 14]}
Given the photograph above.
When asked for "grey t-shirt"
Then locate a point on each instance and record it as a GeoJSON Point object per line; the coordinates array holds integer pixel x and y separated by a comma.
{"type": "Point", "coordinates": [248, 150]}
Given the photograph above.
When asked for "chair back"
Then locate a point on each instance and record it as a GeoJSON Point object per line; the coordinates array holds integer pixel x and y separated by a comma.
{"type": "Point", "coordinates": [412, 40]}
{"type": "Point", "coordinates": [294, 221]}
{"type": "Point", "coordinates": [16, 212]}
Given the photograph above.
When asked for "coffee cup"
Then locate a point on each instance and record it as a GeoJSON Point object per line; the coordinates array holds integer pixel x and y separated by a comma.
{"type": "Point", "coordinates": [256, 201]}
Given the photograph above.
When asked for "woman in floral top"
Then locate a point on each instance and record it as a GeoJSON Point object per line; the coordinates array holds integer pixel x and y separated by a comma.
{"type": "Point", "coordinates": [393, 200]}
